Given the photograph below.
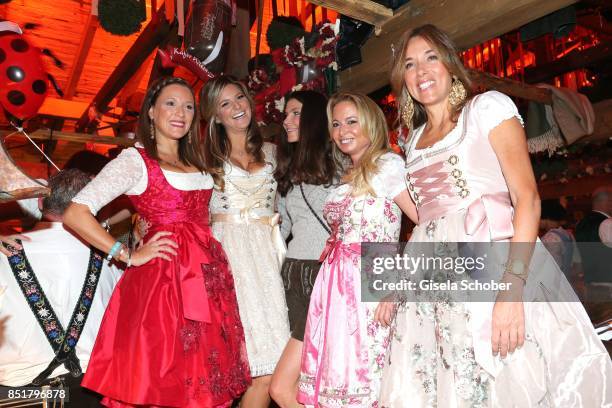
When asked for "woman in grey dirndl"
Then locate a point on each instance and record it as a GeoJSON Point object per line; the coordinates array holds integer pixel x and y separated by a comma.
{"type": "Point", "coordinates": [305, 173]}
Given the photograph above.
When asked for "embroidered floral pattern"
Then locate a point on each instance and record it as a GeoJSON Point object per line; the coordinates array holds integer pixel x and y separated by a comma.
{"type": "Point", "coordinates": [355, 380]}
{"type": "Point", "coordinates": [60, 339]}
{"type": "Point", "coordinates": [338, 397]}
{"type": "Point", "coordinates": [440, 346]}
{"type": "Point", "coordinates": [190, 336]}
{"type": "Point", "coordinates": [351, 217]}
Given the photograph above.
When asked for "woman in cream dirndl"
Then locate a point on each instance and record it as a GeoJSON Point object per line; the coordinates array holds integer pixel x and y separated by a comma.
{"type": "Point", "coordinates": [305, 175]}
{"type": "Point", "coordinates": [346, 339]}
{"type": "Point", "coordinates": [470, 176]}
{"type": "Point", "coordinates": [244, 221]}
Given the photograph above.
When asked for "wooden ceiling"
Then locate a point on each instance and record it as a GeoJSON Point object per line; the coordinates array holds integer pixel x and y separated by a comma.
{"type": "Point", "coordinates": [468, 23]}
{"type": "Point", "coordinates": [91, 55]}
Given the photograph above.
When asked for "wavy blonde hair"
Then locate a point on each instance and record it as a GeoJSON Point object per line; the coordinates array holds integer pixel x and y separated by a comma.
{"type": "Point", "coordinates": [449, 56]}
{"type": "Point", "coordinates": [373, 124]}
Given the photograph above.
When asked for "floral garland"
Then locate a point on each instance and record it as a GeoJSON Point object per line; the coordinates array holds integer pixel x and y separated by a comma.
{"type": "Point", "coordinates": [269, 92]}
{"type": "Point", "coordinates": [323, 51]}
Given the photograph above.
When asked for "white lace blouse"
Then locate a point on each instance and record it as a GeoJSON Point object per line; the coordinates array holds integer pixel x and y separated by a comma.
{"type": "Point", "coordinates": [127, 174]}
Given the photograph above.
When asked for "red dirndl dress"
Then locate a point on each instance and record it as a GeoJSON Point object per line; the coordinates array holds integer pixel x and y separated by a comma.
{"type": "Point", "coordinates": [171, 335]}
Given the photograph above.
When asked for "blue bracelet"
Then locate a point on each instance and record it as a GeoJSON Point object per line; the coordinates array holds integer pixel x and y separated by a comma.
{"type": "Point", "coordinates": [113, 250]}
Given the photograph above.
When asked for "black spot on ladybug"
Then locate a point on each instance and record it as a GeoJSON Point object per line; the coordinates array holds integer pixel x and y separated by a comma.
{"type": "Point", "coordinates": [17, 98]}
{"type": "Point", "coordinates": [19, 45]}
{"type": "Point", "coordinates": [15, 74]}
{"type": "Point", "coordinates": [39, 86]}
{"type": "Point", "coordinates": [2, 55]}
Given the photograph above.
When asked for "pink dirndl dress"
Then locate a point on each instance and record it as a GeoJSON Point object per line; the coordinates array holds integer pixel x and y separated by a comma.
{"type": "Point", "coordinates": [344, 349]}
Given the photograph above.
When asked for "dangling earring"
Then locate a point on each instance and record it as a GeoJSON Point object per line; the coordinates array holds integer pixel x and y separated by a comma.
{"type": "Point", "coordinates": [408, 111]}
{"type": "Point", "coordinates": [189, 138]}
{"type": "Point", "coordinates": [152, 130]}
{"type": "Point", "coordinates": [457, 93]}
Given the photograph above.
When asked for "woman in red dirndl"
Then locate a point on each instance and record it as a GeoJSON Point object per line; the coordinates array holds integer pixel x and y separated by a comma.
{"type": "Point", "coordinates": [171, 335]}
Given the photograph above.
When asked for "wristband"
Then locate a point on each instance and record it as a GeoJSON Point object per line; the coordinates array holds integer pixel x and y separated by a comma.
{"type": "Point", "coordinates": [113, 250]}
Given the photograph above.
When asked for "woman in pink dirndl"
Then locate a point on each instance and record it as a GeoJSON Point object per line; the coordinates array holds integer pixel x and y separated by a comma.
{"type": "Point", "coordinates": [346, 339]}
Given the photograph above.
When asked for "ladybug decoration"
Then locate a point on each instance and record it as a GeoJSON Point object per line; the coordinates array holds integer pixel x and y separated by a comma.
{"type": "Point", "coordinates": [23, 79]}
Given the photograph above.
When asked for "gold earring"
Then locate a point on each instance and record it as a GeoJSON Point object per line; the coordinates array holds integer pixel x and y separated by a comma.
{"type": "Point", "coordinates": [457, 93]}
{"type": "Point", "coordinates": [152, 130]}
{"type": "Point", "coordinates": [189, 138]}
{"type": "Point", "coordinates": [407, 111]}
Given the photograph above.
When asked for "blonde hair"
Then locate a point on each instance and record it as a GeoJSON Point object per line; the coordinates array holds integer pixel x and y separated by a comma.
{"type": "Point", "coordinates": [217, 146]}
{"type": "Point", "coordinates": [449, 56]}
{"type": "Point", "coordinates": [374, 126]}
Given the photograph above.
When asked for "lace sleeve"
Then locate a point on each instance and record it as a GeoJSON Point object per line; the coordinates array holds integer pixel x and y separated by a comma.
{"type": "Point", "coordinates": [123, 175]}
{"type": "Point", "coordinates": [492, 108]}
{"type": "Point", "coordinates": [391, 177]}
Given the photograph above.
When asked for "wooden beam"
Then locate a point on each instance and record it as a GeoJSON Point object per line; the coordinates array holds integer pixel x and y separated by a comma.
{"type": "Point", "coordinates": [79, 61]}
{"type": "Point", "coordinates": [62, 108]}
{"type": "Point", "coordinates": [364, 10]}
{"type": "Point", "coordinates": [570, 62]}
{"type": "Point", "coordinates": [46, 135]}
{"type": "Point", "coordinates": [512, 87]}
{"type": "Point", "coordinates": [466, 25]}
{"type": "Point", "coordinates": [132, 85]}
{"type": "Point", "coordinates": [157, 29]}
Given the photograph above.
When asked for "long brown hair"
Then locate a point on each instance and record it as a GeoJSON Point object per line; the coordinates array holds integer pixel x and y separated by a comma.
{"type": "Point", "coordinates": [449, 56]}
{"type": "Point", "coordinates": [310, 159]}
{"type": "Point", "coordinates": [374, 125]}
{"type": "Point", "coordinates": [217, 146]}
{"type": "Point", "coordinates": [190, 149]}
